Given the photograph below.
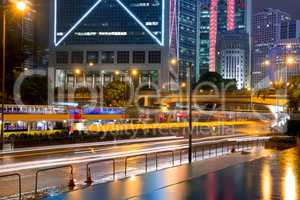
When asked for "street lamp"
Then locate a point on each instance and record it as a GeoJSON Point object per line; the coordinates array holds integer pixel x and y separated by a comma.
{"type": "Point", "coordinates": [183, 85]}
{"type": "Point", "coordinates": [134, 72]}
{"type": "Point", "coordinates": [173, 61]}
{"type": "Point", "coordinates": [77, 71]}
{"type": "Point", "coordinates": [267, 63]}
{"type": "Point", "coordinates": [91, 64]}
{"type": "Point", "coordinates": [290, 60]}
{"type": "Point", "coordinates": [189, 90]}
{"type": "Point", "coordinates": [21, 6]}
{"type": "Point", "coordinates": [117, 72]}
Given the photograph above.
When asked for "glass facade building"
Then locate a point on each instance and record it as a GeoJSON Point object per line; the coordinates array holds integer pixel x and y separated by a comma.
{"type": "Point", "coordinates": [109, 22]}
{"type": "Point", "coordinates": [183, 31]}
{"type": "Point", "coordinates": [217, 16]}
{"type": "Point", "coordinates": [91, 40]}
{"type": "Point", "coordinates": [266, 32]}
{"type": "Point", "coordinates": [187, 37]}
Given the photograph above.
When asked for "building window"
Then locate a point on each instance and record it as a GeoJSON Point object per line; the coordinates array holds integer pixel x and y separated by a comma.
{"type": "Point", "coordinates": [154, 57]}
{"type": "Point", "coordinates": [62, 57]}
{"type": "Point", "coordinates": [92, 57]}
{"type": "Point", "coordinates": [123, 57]}
{"type": "Point", "coordinates": [139, 57]}
{"type": "Point", "coordinates": [108, 57]}
{"type": "Point", "coordinates": [77, 57]}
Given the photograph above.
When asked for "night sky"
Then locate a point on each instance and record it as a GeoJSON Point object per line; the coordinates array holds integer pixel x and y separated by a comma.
{"type": "Point", "coordinates": [290, 6]}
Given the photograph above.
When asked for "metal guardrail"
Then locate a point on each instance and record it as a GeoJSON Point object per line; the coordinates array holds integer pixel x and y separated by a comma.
{"type": "Point", "coordinates": [133, 156]}
{"type": "Point", "coordinates": [71, 181]}
{"type": "Point", "coordinates": [233, 145]}
{"type": "Point", "coordinates": [167, 151]}
{"type": "Point", "coordinates": [89, 179]}
{"type": "Point", "coordinates": [19, 182]}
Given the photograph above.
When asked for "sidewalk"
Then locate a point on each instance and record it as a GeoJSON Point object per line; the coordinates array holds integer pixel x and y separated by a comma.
{"type": "Point", "coordinates": [136, 186]}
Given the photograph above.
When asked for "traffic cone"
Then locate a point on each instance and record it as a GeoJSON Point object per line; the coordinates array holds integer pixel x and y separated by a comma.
{"type": "Point", "coordinates": [72, 182]}
{"type": "Point", "coordinates": [89, 180]}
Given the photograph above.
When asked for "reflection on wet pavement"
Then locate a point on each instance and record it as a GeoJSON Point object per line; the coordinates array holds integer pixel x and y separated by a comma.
{"type": "Point", "coordinates": [273, 177]}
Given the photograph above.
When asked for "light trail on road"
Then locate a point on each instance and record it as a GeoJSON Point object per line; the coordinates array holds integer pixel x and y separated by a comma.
{"type": "Point", "coordinates": [89, 158]}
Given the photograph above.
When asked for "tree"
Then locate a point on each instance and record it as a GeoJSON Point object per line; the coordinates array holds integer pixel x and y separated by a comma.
{"type": "Point", "coordinates": [34, 90]}
{"type": "Point", "coordinates": [294, 94]}
{"type": "Point", "coordinates": [116, 93]}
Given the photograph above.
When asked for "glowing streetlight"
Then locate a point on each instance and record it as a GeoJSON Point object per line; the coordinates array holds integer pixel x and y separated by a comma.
{"type": "Point", "coordinates": [21, 5]}
{"type": "Point", "coordinates": [117, 72]}
{"type": "Point", "coordinates": [77, 71]}
{"type": "Point", "coordinates": [267, 63]}
{"type": "Point", "coordinates": [173, 61]}
{"type": "Point", "coordinates": [183, 84]}
{"type": "Point", "coordinates": [134, 72]}
{"type": "Point", "coordinates": [91, 64]}
{"type": "Point", "coordinates": [290, 60]}
{"type": "Point", "coordinates": [289, 46]}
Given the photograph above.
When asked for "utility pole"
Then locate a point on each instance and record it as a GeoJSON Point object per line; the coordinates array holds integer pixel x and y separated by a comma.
{"type": "Point", "coordinates": [3, 73]}
{"type": "Point", "coordinates": [190, 110]}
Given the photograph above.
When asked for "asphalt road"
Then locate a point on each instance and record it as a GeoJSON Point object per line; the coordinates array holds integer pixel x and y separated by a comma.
{"type": "Point", "coordinates": [27, 163]}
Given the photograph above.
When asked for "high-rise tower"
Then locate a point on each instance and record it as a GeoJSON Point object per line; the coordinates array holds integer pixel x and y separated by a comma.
{"type": "Point", "coordinates": [93, 40]}
{"type": "Point", "coordinates": [266, 31]}
{"type": "Point", "coordinates": [217, 16]}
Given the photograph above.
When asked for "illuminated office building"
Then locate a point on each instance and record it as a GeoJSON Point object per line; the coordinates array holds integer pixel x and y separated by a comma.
{"type": "Point", "coordinates": [266, 30]}
{"type": "Point", "coordinates": [217, 16]}
{"type": "Point", "coordinates": [92, 41]}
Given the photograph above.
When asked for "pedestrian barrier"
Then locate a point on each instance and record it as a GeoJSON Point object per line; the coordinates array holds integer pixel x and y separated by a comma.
{"type": "Point", "coordinates": [146, 161]}
{"type": "Point", "coordinates": [89, 179]}
{"type": "Point", "coordinates": [19, 182]}
{"type": "Point", "coordinates": [71, 181]}
{"type": "Point", "coordinates": [231, 146]}
{"type": "Point", "coordinates": [156, 157]}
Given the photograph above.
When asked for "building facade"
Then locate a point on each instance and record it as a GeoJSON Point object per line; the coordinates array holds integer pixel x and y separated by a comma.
{"type": "Point", "coordinates": [266, 32]}
{"type": "Point", "coordinates": [290, 30]}
{"type": "Point", "coordinates": [217, 16]}
{"type": "Point", "coordinates": [284, 61]}
{"type": "Point", "coordinates": [232, 57]}
{"type": "Point", "coordinates": [94, 41]}
{"type": "Point", "coordinates": [183, 32]}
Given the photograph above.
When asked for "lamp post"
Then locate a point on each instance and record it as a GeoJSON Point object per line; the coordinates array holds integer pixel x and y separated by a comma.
{"type": "Point", "coordinates": [134, 73]}
{"type": "Point", "coordinates": [174, 62]}
{"type": "Point", "coordinates": [290, 60]}
{"type": "Point", "coordinates": [190, 110]}
{"type": "Point", "coordinates": [21, 6]}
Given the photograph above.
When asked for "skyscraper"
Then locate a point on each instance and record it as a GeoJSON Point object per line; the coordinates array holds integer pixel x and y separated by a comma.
{"type": "Point", "coordinates": [91, 40]}
{"type": "Point", "coordinates": [284, 61]}
{"type": "Point", "coordinates": [266, 31]}
{"type": "Point", "coordinates": [290, 30]}
{"type": "Point", "coordinates": [232, 52]}
{"type": "Point", "coordinates": [217, 16]}
{"type": "Point", "coordinates": [184, 29]}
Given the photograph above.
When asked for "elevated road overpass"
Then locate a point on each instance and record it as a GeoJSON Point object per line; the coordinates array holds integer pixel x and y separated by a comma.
{"type": "Point", "coordinates": [246, 99]}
